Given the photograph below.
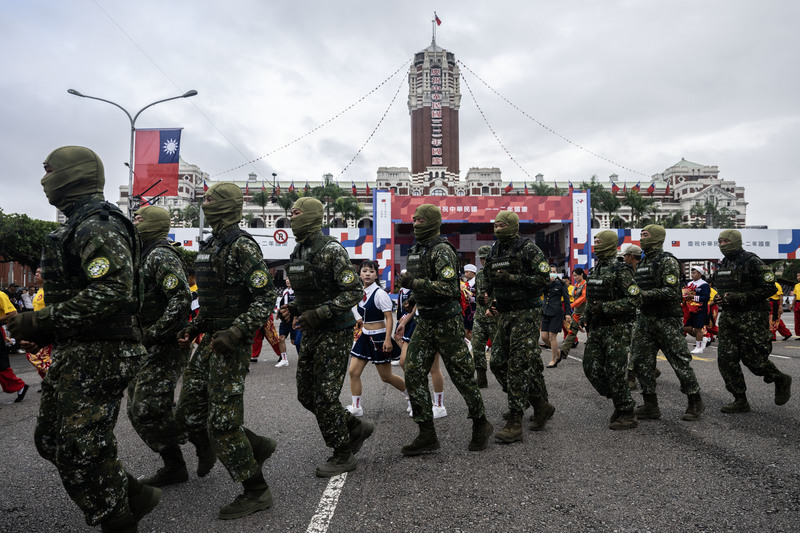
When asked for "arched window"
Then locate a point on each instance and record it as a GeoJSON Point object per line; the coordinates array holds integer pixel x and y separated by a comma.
{"type": "Point", "coordinates": [438, 192]}
{"type": "Point", "coordinates": [485, 191]}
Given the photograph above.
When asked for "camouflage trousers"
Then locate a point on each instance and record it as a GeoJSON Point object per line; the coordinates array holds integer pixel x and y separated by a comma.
{"type": "Point", "coordinates": [445, 337]}
{"type": "Point", "coordinates": [151, 395]}
{"type": "Point", "coordinates": [605, 360]}
{"type": "Point", "coordinates": [744, 337]}
{"type": "Point", "coordinates": [569, 340]}
{"type": "Point", "coordinates": [517, 358]}
{"type": "Point", "coordinates": [321, 368]}
{"type": "Point", "coordinates": [81, 396]}
{"type": "Point", "coordinates": [482, 331]}
{"type": "Point", "coordinates": [211, 406]}
{"type": "Point", "coordinates": [665, 333]}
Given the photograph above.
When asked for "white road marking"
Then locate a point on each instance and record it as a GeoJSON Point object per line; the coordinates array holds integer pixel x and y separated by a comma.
{"type": "Point", "coordinates": [779, 356]}
{"type": "Point", "coordinates": [327, 505]}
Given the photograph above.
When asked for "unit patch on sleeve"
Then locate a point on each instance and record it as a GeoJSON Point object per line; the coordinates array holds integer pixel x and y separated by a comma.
{"type": "Point", "coordinates": [259, 279]}
{"type": "Point", "coordinates": [98, 267]}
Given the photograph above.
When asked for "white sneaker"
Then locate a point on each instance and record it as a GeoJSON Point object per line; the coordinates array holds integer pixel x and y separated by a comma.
{"type": "Point", "coordinates": [282, 362]}
{"type": "Point", "coordinates": [439, 412]}
{"type": "Point", "coordinates": [698, 349]}
{"type": "Point", "coordinates": [355, 411]}
{"type": "Point", "coordinates": [705, 342]}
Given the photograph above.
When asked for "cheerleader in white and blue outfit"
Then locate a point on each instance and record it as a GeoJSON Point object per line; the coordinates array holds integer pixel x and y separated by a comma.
{"type": "Point", "coordinates": [375, 344]}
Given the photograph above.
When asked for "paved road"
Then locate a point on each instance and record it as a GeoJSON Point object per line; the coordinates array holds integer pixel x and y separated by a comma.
{"type": "Point", "coordinates": [723, 473]}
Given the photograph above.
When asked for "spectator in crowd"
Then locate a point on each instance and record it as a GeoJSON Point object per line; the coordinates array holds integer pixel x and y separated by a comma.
{"type": "Point", "coordinates": [555, 298]}
{"type": "Point", "coordinates": [796, 306]}
{"type": "Point", "coordinates": [26, 300]}
{"type": "Point", "coordinates": [41, 359]}
{"type": "Point", "coordinates": [695, 302]}
{"type": "Point", "coordinates": [578, 306]}
{"type": "Point", "coordinates": [776, 324]}
{"type": "Point", "coordinates": [9, 381]}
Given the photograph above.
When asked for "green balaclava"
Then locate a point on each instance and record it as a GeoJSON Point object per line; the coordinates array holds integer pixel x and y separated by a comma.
{"type": "Point", "coordinates": [656, 239]}
{"type": "Point", "coordinates": [736, 241]}
{"type": "Point", "coordinates": [226, 209]}
{"type": "Point", "coordinates": [154, 224]}
{"type": "Point", "coordinates": [608, 244]}
{"type": "Point", "coordinates": [303, 226]}
{"type": "Point", "coordinates": [77, 172]}
{"type": "Point", "coordinates": [432, 225]}
{"type": "Point", "coordinates": [511, 230]}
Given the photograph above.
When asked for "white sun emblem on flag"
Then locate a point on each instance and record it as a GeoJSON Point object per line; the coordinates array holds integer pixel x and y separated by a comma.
{"type": "Point", "coordinates": [171, 146]}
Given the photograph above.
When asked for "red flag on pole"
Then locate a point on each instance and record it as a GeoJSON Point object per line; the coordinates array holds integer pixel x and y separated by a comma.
{"type": "Point", "coordinates": [247, 189]}
{"type": "Point", "coordinates": [614, 188]}
{"type": "Point", "coordinates": [368, 191]}
{"type": "Point", "coordinates": [637, 187]}
{"type": "Point", "coordinates": [354, 187]}
{"type": "Point", "coordinates": [651, 189]}
{"type": "Point", "coordinates": [291, 187]}
{"type": "Point", "coordinates": [526, 188]}
{"type": "Point", "coordinates": [205, 187]}
{"type": "Point", "coordinates": [509, 187]}
{"type": "Point", "coordinates": [438, 20]}
{"type": "Point", "coordinates": [666, 191]}
{"type": "Point", "coordinates": [157, 157]}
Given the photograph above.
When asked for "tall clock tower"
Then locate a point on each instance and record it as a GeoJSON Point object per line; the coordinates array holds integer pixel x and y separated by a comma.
{"type": "Point", "coordinates": [434, 97]}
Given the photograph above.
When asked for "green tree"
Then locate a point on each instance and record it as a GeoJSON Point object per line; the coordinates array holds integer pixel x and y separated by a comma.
{"type": "Point", "coordinates": [540, 188]}
{"type": "Point", "coordinates": [595, 189]}
{"type": "Point", "coordinates": [640, 206]}
{"type": "Point", "coordinates": [327, 194]}
{"type": "Point", "coordinates": [347, 206]}
{"type": "Point", "coordinates": [190, 215]}
{"type": "Point", "coordinates": [187, 259]}
{"type": "Point", "coordinates": [286, 200]}
{"type": "Point", "coordinates": [608, 203]}
{"type": "Point", "coordinates": [22, 238]}
{"type": "Point", "coordinates": [712, 216]}
{"type": "Point", "coordinates": [262, 198]}
{"type": "Point", "coordinates": [674, 220]}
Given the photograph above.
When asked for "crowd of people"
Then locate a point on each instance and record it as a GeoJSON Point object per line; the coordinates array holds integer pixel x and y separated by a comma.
{"type": "Point", "coordinates": [122, 314]}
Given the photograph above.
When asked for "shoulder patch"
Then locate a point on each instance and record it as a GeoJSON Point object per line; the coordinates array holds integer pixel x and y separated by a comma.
{"type": "Point", "coordinates": [347, 277]}
{"type": "Point", "coordinates": [98, 267]}
{"type": "Point", "coordinates": [671, 279]}
{"type": "Point", "coordinates": [170, 281]}
{"type": "Point", "coordinates": [769, 276]}
{"type": "Point", "coordinates": [633, 290]}
{"type": "Point", "coordinates": [544, 267]}
{"type": "Point", "coordinates": [448, 272]}
{"type": "Point", "coordinates": [259, 279]}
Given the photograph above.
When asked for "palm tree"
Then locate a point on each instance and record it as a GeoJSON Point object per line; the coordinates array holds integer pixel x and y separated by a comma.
{"type": "Point", "coordinates": [639, 205]}
{"type": "Point", "coordinates": [608, 203]}
{"type": "Point", "coordinates": [262, 198]}
{"type": "Point", "coordinates": [595, 189]}
{"type": "Point", "coordinates": [674, 220]}
{"type": "Point", "coordinates": [713, 215]}
{"type": "Point", "coordinates": [541, 188]}
{"type": "Point", "coordinates": [286, 200]}
{"type": "Point", "coordinates": [191, 216]}
{"type": "Point", "coordinates": [348, 207]}
{"type": "Point", "coordinates": [327, 194]}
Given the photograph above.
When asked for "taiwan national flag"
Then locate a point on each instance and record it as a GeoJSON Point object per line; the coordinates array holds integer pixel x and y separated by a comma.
{"type": "Point", "coordinates": [651, 189]}
{"type": "Point", "coordinates": [614, 188]}
{"type": "Point", "coordinates": [247, 189]}
{"type": "Point", "coordinates": [291, 187]}
{"type": "Point", "coordinates": [205, 186]}
{"type": "Point", "coordinates": [571, 188]}
{"type": "Point", "coordinates": [368, 191]}
{"type": "Point", "coordinates": [354, 188]}
{"type": "Point", "coordinates": [509, 187]}
{"type": "Point", "coordinates": [157, 157]}
{"type": "Point", "coordinates": [637, 187]}
{"type": "Point", "coordinates": [666, 191]}
{"type": "Point", "coordinates": [526, 188]}
{"type": "Point", "coordinates": [438, 20]}
{"type": "Point", "coordinates": [306, 188]}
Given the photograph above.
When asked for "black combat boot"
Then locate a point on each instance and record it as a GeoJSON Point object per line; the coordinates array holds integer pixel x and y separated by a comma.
{"type": "Point", "coordinates": [783, 389]}
{"type": "Point", "coordinates": [542, 412]}
{"type": "Point", "coordinates": [512, 432]}
{"type": "Point", "coordinates": [360, 430]}
{"type": "Point", "coordinates": [342, 461]}
{"type": "Point", "coordinates": [141, 498]}
{"type": "Point", "coordinates": [426, 441]}
{"type": "Point", "coordinates": [649, 409]}
{"type": "Point", "coordinates": [205, 457]}
{"type": "Point", "coordinates": [481, 431]}
{"type": "Point", "coordinates": [256, 497]}
{"type": "Point", "coordinates": [483, 383]}
{"type": "Point", "coordinates": [695, 408]}
{"type": "Point", "coordinates": [173, 471]}
{"type": "Point", "coordinates": [738, 405]}
{"type": "Point", "coordinates": [120, 524]}
{"type": "Point", "coordinates": [626, 420]}
{"type": "Point", "coordinates": [263, 447]}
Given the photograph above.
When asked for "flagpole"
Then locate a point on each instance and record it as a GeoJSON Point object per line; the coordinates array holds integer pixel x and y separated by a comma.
{"type": "Point", "coordinates": [132, 120]}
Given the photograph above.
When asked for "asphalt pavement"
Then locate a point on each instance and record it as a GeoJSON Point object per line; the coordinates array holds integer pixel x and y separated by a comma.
{"type": "Point", "coordinates": [723, 473]}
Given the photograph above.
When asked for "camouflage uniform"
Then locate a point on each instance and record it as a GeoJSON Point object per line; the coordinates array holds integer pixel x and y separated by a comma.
{"type": "Point", "coordinates": [236, 291]}
{"type": "Point", "coordinates": [90, 267]}
{"type": "Point", "coordinates": [323, 279]}
{"type": "Point", "coordinates": [659, 324]}
{"type": "Point", "coordinates": [439, 329]}
{"type": "Point", "coordinates": [746, 283]}
{"type": "Point", "coordinates": [612, 299]}
{"type": "Point", "coordinates": [483, 327]}
{"type": "Point", "coordinates": [516, 356]}
{"type": "Point", "coordinates": [165, 311]}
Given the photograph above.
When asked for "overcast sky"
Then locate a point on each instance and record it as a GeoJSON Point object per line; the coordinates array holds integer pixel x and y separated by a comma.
{"type": "Point", "coordinates": [641, 83]}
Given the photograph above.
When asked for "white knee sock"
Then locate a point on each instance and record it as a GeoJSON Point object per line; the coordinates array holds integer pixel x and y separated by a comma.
{"type": "Point", "coordinates": [438, 398]}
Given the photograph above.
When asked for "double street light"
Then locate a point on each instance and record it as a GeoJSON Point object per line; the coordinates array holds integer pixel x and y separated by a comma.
{"type": "Point", "coordinates": [132, 119]}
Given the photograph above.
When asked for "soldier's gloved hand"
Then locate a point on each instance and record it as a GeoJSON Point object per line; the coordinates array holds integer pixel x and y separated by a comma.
{"type": "Point", "coordinates": [484, 299]}
{"type": "Point", "coordinates": [36, 327]}
{"type": "Point", "coordinates": [597, 309]}
{"type": "Point", "coordinates": [504, 277]}
{"type": "Point", "coordinates": [187, 335]}
{"type": "Point", "coordinates": [148, 339]}
{"type": "Point", "coordinates": [288, 311]}
{"type": "Point", "coordinates": [408, 281]}
{"type": "Point", "coordinates": [225, 341]}
{"type": "Point", "coordinates": [310, 319]}
{"type": "Point", "coordinates": [732, 298]}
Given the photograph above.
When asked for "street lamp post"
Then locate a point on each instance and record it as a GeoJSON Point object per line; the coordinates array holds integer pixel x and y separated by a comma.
{"type": "Point", "coordinates": [132, 120]}
{"type": "Point", "coordinates": [274, 198]}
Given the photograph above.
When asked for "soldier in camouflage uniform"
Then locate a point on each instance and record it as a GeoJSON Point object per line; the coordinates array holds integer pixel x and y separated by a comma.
{"type": "Point", "coordinates": [612, 299]}
{"type": "Point", "coordinates": [516, 273]}
{"type": "Point", "coordinates": [484, 325]}
{"type": "Point", "coordinates": [90, 268]}
{"type": "Point", "coordinates": [326, 287]}
{"type": "Point", "coordinates": [165, 312]}
{"type": "Point", "coordinates": [236, 296]}
{"type": "Point", "coordinates": [431, 274]}
{"type": "Point", "coordinates": [659, 326]}
{"type": "Point", "coordinates": [744, 284]}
